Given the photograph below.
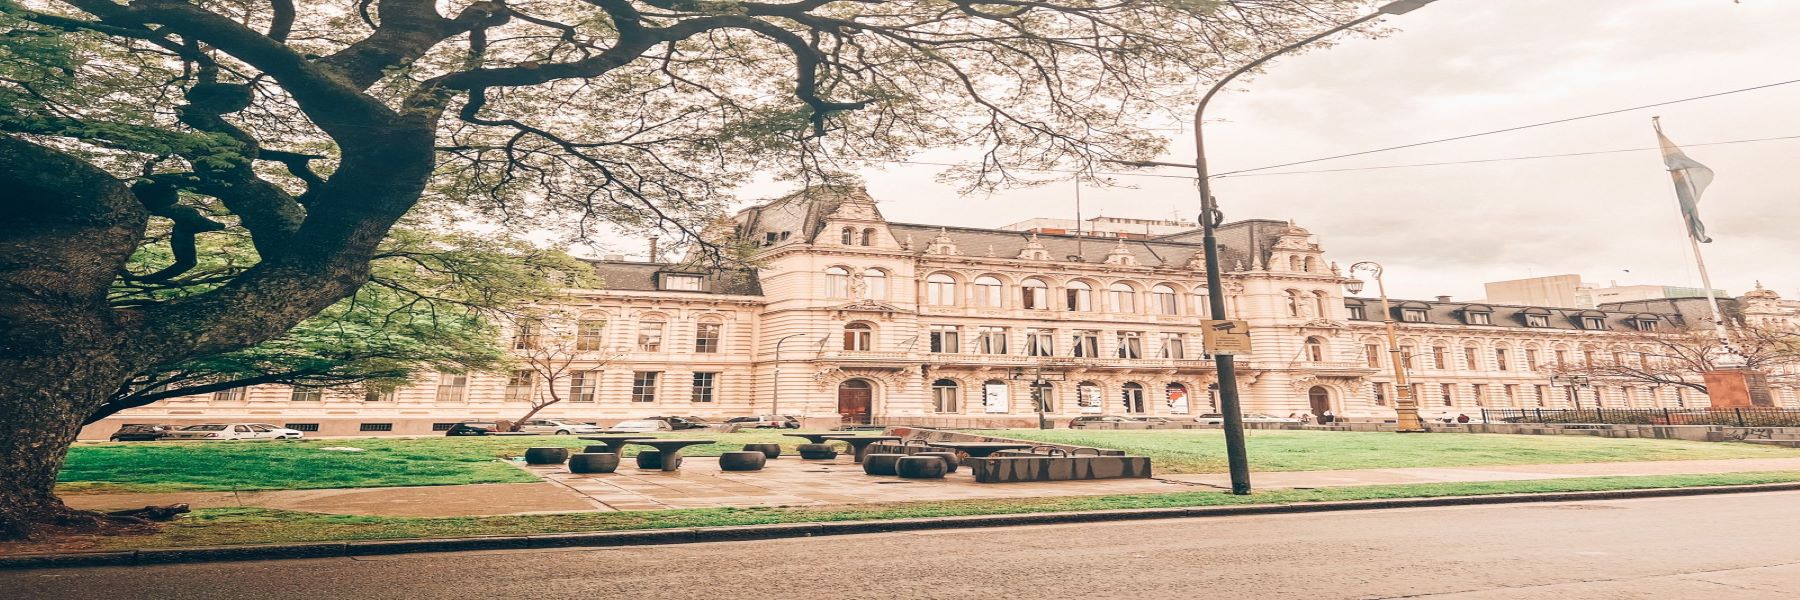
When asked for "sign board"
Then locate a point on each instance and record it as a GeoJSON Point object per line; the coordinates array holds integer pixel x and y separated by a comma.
{"type": "Point", "coordinates": [1225, 337]}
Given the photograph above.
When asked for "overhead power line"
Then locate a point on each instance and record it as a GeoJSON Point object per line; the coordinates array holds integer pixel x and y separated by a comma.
{"type": "Point", "coordinates": [1509, 129]}
{"type": "Point", "coordinates": [1503, 159]}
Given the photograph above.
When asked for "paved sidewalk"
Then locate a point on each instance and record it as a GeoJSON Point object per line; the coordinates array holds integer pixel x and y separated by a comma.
{"type": "Point", "coordinates": [789, 481]}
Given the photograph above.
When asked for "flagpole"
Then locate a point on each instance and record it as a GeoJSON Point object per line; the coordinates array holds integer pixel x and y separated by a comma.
{"type": "Point", "coordinates": [1729, 357]}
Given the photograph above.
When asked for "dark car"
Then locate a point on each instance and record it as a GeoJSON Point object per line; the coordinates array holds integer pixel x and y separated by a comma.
{"type": "Point", "coordinates": [140, 433]}
{"type": "Point", "coordinates": [473, 428]}
{"type": "Point", "coordinates": [680, 423]}
{"type": "Point", "coordinates": [1079, 422]}
{"type": "Point", "coordinates": [766, 422]}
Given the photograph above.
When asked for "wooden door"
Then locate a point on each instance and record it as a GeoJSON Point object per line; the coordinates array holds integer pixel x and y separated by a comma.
{"type": "Point", "coordinates": [855, 398]}
{"type": "Point", "coordinates": [1320, 400]}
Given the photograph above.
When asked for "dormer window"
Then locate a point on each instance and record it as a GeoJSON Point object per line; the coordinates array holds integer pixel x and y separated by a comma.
{"type": "Point", "coordinates": [1412, 315]}
{"type": "Point", "coordinates": [1480, 318]}
{"type": "Point", "coordinates": [1356, 312]}
{"type": "Point", "coordinates": [681, 283]}
{"type": "Point", "coordinates": [1644, 322]}
{"type": "Point", "coordinates": [1593, 323]}
{"type": "Point", "coordinates": [1476, 314]}
{"type": "Point", "coordinates": [1537, 320]}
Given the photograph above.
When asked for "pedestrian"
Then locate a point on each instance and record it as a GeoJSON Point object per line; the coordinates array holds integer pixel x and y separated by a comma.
{"type": "Point", "coordinates": [1305, 418]}
{"type": "Point", "coordinates": [1326, 417]}
{"type": "Point", "coordinates": [1462, 418]}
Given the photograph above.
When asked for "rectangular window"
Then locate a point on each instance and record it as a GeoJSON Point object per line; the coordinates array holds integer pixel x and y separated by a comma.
{"type": "Point", "coordinates": [990, 340]}
{"type": "Point", "coordinates": [1174, 346]}
{"type": "Point", "coordinates": [650, 334]}
{"type": "Point", "coordinates": [307, 427]}
{"type": "Point", "coordinates": [706, 337]}
{"type": "Point", "coordinates": [1380, 394]}
{"type": "Point", "coordinates": [378, 395]}
{"type": "Point", "coordinates": [1131, 344]}
{"type": "Point", "coordinates": [940, 291]}
{"type": "Point", "coordinates": [1480, 394]}
{"type": "Point", "coordinates": [1357, 312]}
{"type": "Point", "coordinates": [1480, 318]}
{"type": "Point", "coordinates": [525, 336]}
{"type": "Point", "coordinates": [1437, 357]}
{"type": "Point", "coordinates": [946, 339]}
{"type": "Point", "coordinates": [1406, 355]}
{"type": "Point", "coordinates": [1500, 359]}
{"type": "Point", "coordinates": [1412, 315]}
{"type": "Point", "coordinates": [590, 335]}
{"type": "Point", "coordinates": [235, 394]}
{"type": "Point", "coordinates": [1562, 357]}
{"type": "Point", "coordinates": [519, 384]}
{"type": "Point", "coordinates": [304, 393]}
{"type": "Point", "coordinates": [1087, 344]}
{"type": "Point", "coordinates": [703, 386]}
{"type": "Point", "coordinates": [452, 387]}
{"type": "Point", "coordinates": [1372, 354]}
{"type": "Point", "coordinates": [1448, 392]}
{"type": "Point", "coordinates": [1593, 323]}
{"type": "Point", "coordinates": [1541, 393]}
{"type": "Point", "coordinates": [434, 426]}
{"type": "Point", "coordinates": [943, 399]}
{"type": "Point", "coordinates": [1531, 359]}
{"type": "Point", "coordinates": [1587, 357]}
{"type": "Point", "coordinates": [1040, 342]}
{"type": "Point", "coordinates": [376, 427]}
{"type": "Point", "coordinates": [1643, 324]}
{"type": "Point", "coordinates": [681, 283]}
{"type": "Point", "coordinates": [1537, 320]}
{"type": "Point", "coordinates": [1470, 360]}
{"type": "Point", "coordinates": [643, 386]}
{"type": "Point", "coordinates": [1512, 394]}
{"type": "Point", "coordinates": [583, 385]}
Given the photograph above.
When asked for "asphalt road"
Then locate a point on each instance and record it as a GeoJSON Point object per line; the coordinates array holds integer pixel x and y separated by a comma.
{"type": "Point", "coordinates": [1732, 546]}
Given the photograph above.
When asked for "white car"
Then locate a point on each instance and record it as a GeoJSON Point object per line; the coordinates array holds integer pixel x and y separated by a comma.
{"type": "Point", "coordinates": [559, 427]}
{"type": "Point", "coordinates": [646, 426]}
{"type": "Point", "coordinates": [234, 431]}
{"type": "Point", "coordinates": [1219, 419]}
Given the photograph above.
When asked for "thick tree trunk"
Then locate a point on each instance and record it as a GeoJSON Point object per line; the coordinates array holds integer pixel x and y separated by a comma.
{"type": "Point", "coordinates": [42, 405]}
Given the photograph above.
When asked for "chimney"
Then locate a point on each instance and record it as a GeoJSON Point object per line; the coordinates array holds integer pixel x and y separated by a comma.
{"type": "Point", "coordinates": [1444, 299]}
{"type": "Point", "coordinates": [653, 252]}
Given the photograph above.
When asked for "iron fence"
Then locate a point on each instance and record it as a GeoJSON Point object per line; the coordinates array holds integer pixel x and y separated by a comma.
{"type": "Point", "coordinates": [1731, 417]}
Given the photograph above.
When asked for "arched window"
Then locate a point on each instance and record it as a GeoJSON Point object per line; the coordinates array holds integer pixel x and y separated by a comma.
{"type": "Point", "coordinates": [837, 282]}
{"type": "Point", "coordinates": [1293, 263]}
{"type": "Point", "coordinates": [868, 237]}
{"type": "Point", "coordinates": [1307, 265]}
{"type": "Point", "coordinates": [940, 290]}
{"type": "Point", "coordinates": [988, 292]}
{"type": "Point", "coordinates": [1202, 303]}
{"type": "Point", "coordinates": [874, 284]}
{"type": "Point", "coordinates": [859, 337]}
{"type": "Point", "coordinates": [1080, 297]}
{"type": "Point", "coordinates": [945, 396]}
{"type": "Point", "coordinates": [1315, 349]}
{"type": "Point", "coordinates": [1122, 297]}
{"type": "Point", "coordinates": [1088, 398]}
{"type": "Point", "coordinates": [1163, 300]}
{"type": "Point", "coordinates": [993, 396]}
{"type": "Point", "coordinates": [1176, 397]}
{"type": "Point", "coordinates": [1133, 395]}
{"type": "Point", "coordinates": [1044, 394]}
{"type": "Point", "coordinates": [1319, 304]}
{"type": "Point", "coordinates": [848, 236]}
{"type": "Point", "coordinates": [1293, 303]}
{"type": "Point", "coordinates": [1034, 294]}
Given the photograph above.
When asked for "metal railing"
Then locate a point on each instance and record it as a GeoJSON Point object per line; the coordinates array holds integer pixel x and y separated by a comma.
{"type": "Point", "coordinates": [1731, 417]}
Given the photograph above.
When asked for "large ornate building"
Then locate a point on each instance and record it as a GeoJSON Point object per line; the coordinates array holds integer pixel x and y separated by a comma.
{"type": "Point", "coordinates": [851, 318]}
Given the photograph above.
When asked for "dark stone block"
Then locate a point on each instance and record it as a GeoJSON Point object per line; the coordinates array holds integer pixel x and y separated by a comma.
{"type": "Point", "coordinates": [817, 452]}
{"type": "Point", "coordinates": [771, 451]}
{"type": "Point", "coordinates": [653, 459]}
{"type": "Point", "coordinates": [881, 464]}
{"type": "Point", "coordinates": [919, 467]}
{"type": "Point", "coordinates": [546, 456]}
{"type": "Point", "coordinates": [594, 462]}
{"type": "Point", "coordinates": [742, 461]}
{"type": "Point", "coordinates": [949, 458]}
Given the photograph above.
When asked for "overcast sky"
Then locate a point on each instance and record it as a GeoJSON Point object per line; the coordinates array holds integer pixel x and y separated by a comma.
{"type": "Point", "coordinates": [1463, 66]}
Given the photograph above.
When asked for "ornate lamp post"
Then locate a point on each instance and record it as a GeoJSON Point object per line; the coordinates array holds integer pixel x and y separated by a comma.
{"type": "Point", "coordinates": [1405, 406]}
{"type": "Point", "coordinates": [1575, 383]}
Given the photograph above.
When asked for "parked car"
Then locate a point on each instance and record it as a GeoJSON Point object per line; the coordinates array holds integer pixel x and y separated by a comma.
{"type": "Point", "coordinates": [559, 427]}
{"type": "Point", "coordinates": [1219, 419]}
{"type": "Point", "coordinates": [681, 423]}
{"type": "Point", "coordinates": [766, 422]}
{"type": "Point", "coordinates": [1150, 419]}
{"type": "Point", "coordinates": [1084, 421]}
{"type": "Point", "coordinates": [641, 426]}
{"type": "Point", "coordinates": [140, 433]}
{"type": "Point", "coordinates": [234, 431]}
{"type": "Point", "coordinates": [473, 428]}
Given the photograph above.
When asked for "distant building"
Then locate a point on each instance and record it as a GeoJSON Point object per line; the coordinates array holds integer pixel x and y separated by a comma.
{"type": "Point", "coordinates": [1568, 291]}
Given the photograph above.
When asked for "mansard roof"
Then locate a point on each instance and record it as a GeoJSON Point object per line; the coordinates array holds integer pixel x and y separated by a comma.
{"type": "Point", "coordinates": [971, 241]}
{"type": "Point", "coordinates": [1451, 313]}
{"type": "Point", "coordinates": [644, 276]}
{"type": "Point", "coordinates": [801, 214]}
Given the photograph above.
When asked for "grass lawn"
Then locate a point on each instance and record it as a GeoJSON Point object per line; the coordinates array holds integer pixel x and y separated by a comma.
{"type": "Point", "coordinates": [228, 526]}
{"type": "Point", "coordinates": [1203, 450]}
{"type": "Point", "coordinates": [285, 465]}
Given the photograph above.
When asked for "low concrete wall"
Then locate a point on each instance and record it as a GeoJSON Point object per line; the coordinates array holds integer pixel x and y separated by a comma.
{"type": "Point", "coordinates": [1010, 469]}
{"type": "Point", "coordinates": [938, 435]}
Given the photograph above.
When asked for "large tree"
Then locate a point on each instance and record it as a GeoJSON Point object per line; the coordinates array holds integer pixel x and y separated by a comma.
{"type": "Point", "coordinates": [314, 127]}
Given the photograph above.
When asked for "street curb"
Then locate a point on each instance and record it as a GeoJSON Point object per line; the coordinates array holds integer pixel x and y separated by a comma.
{"type": "Point", "coordinates": [649, 537]}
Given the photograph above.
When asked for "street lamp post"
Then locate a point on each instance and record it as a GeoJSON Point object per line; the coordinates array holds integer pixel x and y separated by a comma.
{"type": "Point", "coordinates": [1575, 384]}
{"type": "Point", "coordinates": [1406, 407]}
{"type": "Point", "coordinates": [1211, 218]}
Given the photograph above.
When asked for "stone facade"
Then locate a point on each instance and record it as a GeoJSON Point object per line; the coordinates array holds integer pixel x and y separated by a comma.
{"type": "Point", "coordinates": [850, 317]}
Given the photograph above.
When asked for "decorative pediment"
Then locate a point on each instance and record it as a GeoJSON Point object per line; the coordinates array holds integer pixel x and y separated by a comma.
{"type": "Point", "coordinates": [1034, 249]}
{"type": "Point", "coordinates": [866, 306]}
{"type": "Point", "coordinates": [1120, 255]}
{"type": "Point", "coordinates": [1197, 262]}
{"type": "Point", "coordinates": [1323, 324]}
{"type": "Point", "coordinates": [942, 245]}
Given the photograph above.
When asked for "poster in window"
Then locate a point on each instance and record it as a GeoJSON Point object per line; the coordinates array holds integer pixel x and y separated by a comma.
{"type": "Point", "coordinates": [993, 398]}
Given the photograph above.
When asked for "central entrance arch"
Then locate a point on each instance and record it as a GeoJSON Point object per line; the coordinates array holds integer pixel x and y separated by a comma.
{"type": "Point", "coordinates": [855, 398]}
{"type": "Point", "coordinates": [1320, 399]}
